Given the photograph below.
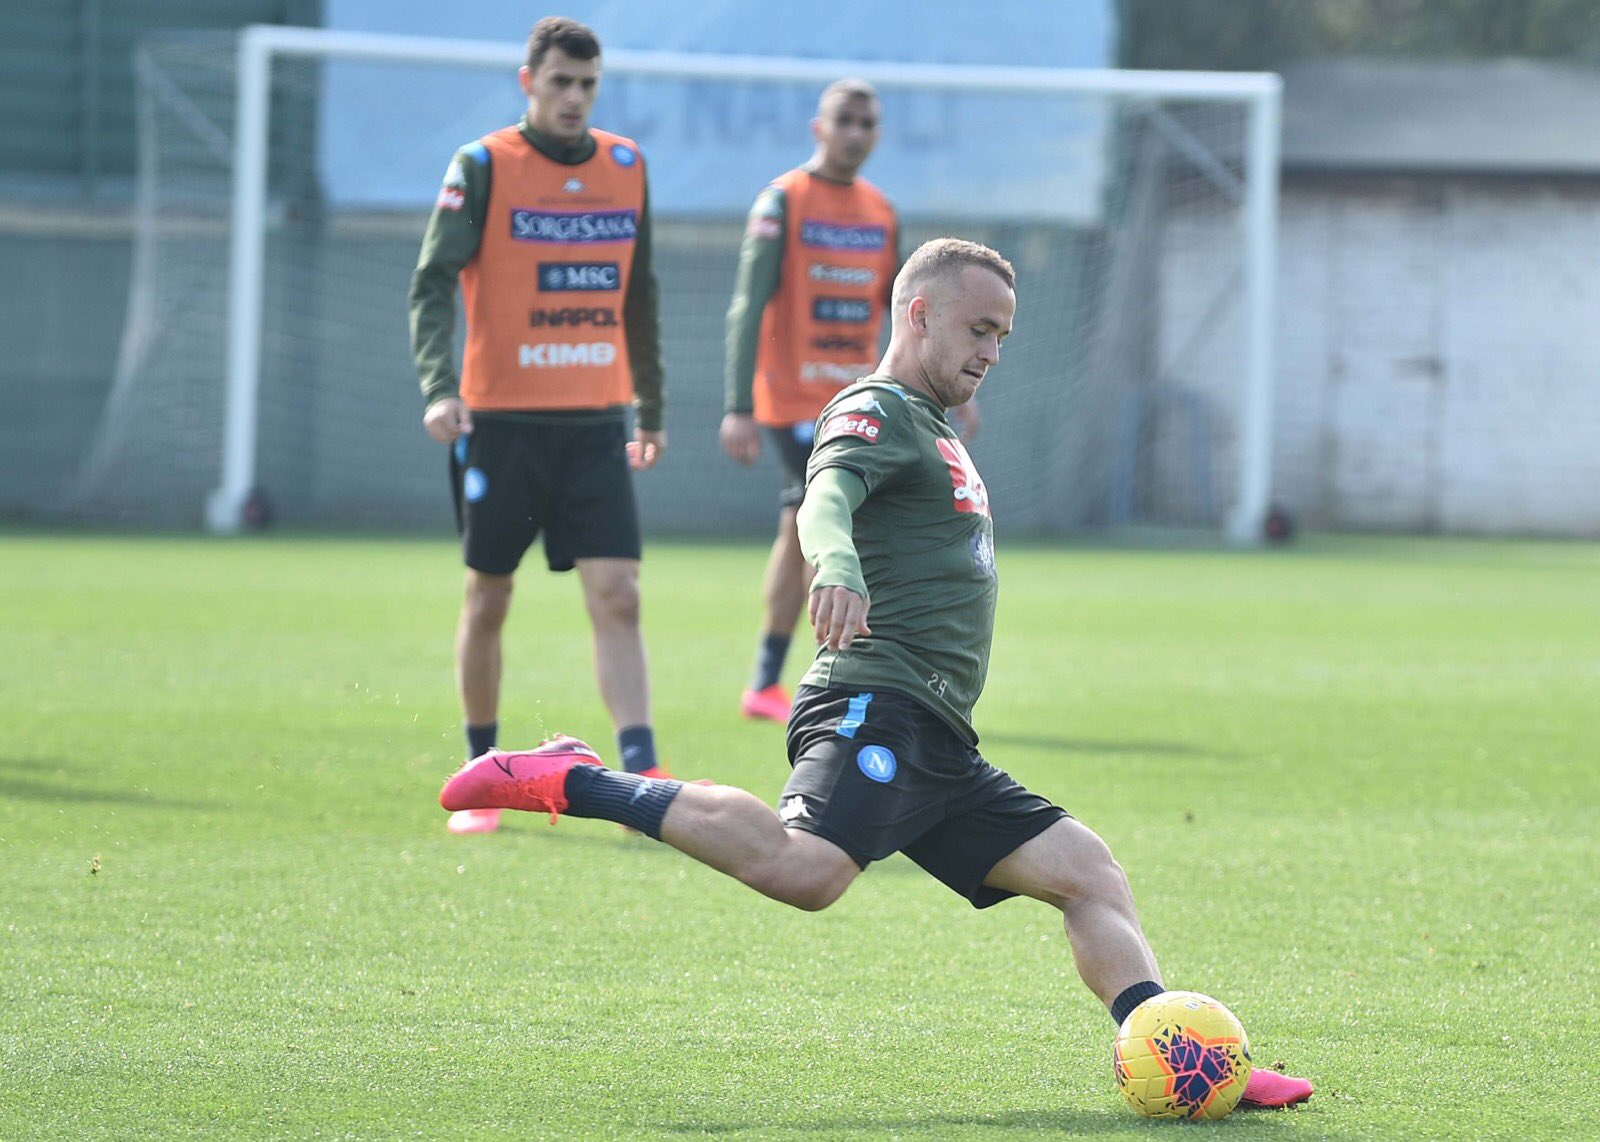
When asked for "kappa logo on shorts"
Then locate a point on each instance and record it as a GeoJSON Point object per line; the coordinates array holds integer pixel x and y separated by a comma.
{"type": "Point", "coordinates": [793, 809]}
{"type": "Point", "coordinates": [877, 762]}
{"type": "Point", "coordinates": [474, 485]}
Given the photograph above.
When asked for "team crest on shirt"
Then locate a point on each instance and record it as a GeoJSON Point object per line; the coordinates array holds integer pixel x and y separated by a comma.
{"type": "Point", "coordinates": [970, 494]}
{"type": "Point", "coordinates": [981, 544]}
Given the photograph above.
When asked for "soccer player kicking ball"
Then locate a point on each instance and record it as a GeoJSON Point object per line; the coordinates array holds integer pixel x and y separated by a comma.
{"type": "Point", "coordinates": [896, 523]}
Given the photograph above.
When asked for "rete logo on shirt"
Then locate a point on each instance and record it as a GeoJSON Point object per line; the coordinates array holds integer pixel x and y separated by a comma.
{"type": "Point", "coordinates": [868, 428]}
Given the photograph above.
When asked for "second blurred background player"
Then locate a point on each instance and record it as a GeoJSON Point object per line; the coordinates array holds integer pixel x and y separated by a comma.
{"type": "Point", "coordinates": [818, 260]}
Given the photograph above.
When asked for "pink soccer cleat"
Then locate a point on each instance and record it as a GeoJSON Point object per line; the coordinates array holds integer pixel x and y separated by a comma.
{"type": "Point", "coordinates": [771, 704]}
{"type": "Point", "coordinates": [466, 821]}
{"type": "Point", "coordinates": [531, 780]}
{"type": "Point", "coordinates": [1269, 1088]}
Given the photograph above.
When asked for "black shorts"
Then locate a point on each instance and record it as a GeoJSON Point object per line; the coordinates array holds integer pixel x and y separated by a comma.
{"type": "Point", "coordinates": [793, 445]}
{"type": "Point", "coordinates": [879, 773]}
{"type": "Point", "coordinates": [512, 479]}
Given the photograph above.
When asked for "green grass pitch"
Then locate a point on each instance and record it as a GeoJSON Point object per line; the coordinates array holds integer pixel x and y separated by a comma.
{"type": "Point", "coordinates": [1354, 783]}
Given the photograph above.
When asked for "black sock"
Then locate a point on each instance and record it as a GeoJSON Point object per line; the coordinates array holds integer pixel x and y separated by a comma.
{"type": "Point", "coordinates": [637, 745]}
{"type": "Point", "coordinates": [1122, 1006]}
{"type": "Point", "coordinates": [626, 798]}
{"type": "Point", "coordinates": [770, 654]}
{"type": "Point", "coordinates": [480, 739]}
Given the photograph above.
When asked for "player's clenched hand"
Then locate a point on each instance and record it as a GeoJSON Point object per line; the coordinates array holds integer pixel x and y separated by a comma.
{"type": "Point", "coordinates": [740, 438]}
{"type": "Point", "coordinates": [646, 448]}
{"type": "Point", "coordinates": [838, 614]}
{"type": "Point", "coordinates": [447, 419]}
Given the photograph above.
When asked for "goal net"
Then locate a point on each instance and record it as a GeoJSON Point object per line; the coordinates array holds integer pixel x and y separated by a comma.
{"type": "Point", "coordinates": [286, 176]}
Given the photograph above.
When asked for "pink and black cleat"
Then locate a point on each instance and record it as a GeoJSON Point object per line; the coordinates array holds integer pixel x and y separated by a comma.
{"type": "Point", "coordinates": [531, 780]}
{"type": "Point", "coordinates": [1269, 1088]}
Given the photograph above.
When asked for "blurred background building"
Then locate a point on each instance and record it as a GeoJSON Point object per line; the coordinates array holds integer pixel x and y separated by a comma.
{"type": "Point", "coordinates": [1436, 281]}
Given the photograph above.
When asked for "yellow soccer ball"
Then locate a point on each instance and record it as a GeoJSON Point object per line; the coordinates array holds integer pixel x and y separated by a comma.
{"type": "Point", "coordinates": [1181, 1054]}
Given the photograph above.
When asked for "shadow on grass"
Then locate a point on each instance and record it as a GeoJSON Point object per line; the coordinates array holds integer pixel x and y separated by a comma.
{"type": "Point", "coordinates": [1031, 1122]}
{"type": "Point", "coordinates": [1081, 745]}
{"type": "Point", "coordinates": [33, 789]}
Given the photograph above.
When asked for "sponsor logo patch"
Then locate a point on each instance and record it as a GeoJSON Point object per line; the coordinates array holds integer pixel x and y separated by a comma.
{"type": "Point", "coordinates": [853, 310]}
{"type": "Point", "coordinates": [834, 236]}
{"type": "Point", "coordinates": [558, 354]}
{"type": "Point", "coordinates": [877, 762]}
{"type": "Point", "coordinates": [970, 494]}
{"type": "Point", "coordinates": [766, 229]}
{"type": "Point", "coordinates": [841, 275]}
{"type": "Point", "coordinates": [579, 277]}
{"type": "Point", "coordinates": [868, 428]}
{"type": "Point", "coordinates": [793, 809]}
{"type": "Point", "coordinates": [835, 343]}
{"type": "Point", "coordinates": [450, 199]}
{"type": "Point", "coordinates": [829, 372]}
{"type": "Point", "coordinates": [455, 175]}
{"type": "Point", "coordinates": [861, 402]}
{"type": "Point", "coordinates": [573, 186]}
{"type": "Point", "coordinates": [599, 317]}
{"type": "Point", "coordinates": [574, 227]}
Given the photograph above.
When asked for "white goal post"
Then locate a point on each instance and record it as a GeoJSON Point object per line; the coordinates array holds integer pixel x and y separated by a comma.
{"type": "Point", "coordinates": [1258, 95]}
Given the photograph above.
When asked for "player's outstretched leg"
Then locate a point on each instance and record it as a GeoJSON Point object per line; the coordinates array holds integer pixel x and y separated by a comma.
{"type": "Point", "coordinates": [1069, 866]}
{"type": "Point", "coordinates": [718, 825]}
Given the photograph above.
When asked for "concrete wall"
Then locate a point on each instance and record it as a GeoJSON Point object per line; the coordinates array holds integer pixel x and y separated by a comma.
{"type": "Point", "coordinates": [1438, 354]}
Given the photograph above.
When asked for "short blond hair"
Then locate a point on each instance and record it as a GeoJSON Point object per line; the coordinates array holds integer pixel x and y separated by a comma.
{"type": "Point", "coordinates": [945, 256]}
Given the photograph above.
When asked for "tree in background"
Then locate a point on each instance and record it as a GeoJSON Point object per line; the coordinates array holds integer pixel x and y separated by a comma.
{"type": "Point", "coordinates": [1252, 35]}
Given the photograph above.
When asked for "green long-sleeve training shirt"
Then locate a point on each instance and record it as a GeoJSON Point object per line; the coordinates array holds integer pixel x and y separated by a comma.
{"type": "Point", "coordinates": [452, 240]}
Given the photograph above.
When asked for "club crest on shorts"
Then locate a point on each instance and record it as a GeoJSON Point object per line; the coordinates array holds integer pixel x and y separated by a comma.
{"type": "Point", "coordinates": [474, 484]}
{"type": "Point", "coordinates": [877, 762]}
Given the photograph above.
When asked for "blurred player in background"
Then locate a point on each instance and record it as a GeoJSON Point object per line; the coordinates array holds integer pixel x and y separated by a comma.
{"type": "Point", "coordinates": [896, 523]}
{"type": "Point", "coordinates": [820, 252]}
{"type": "Point", "coordinates": [547, 227]}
